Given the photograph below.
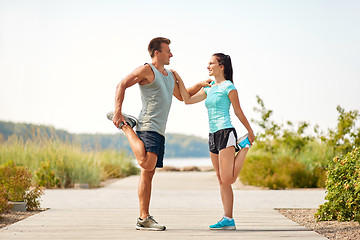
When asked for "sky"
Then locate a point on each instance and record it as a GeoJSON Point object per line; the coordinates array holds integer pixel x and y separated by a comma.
{"type": "Point", "coordinates": [60, 61]}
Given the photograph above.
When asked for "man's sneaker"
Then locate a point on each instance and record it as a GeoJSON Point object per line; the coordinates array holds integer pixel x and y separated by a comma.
{"type": "Point", "coordinates": [149, 224]}
{"type": "Point", "coordinates": [132, 121]}
{"type": "Point", "coordinates": [224, 224]}
{"type": "Point", "coordinates": [244, 142]}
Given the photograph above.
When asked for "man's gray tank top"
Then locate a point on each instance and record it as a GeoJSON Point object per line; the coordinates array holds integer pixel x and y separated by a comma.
{"type": "Point", "coordinates": [156, 100]}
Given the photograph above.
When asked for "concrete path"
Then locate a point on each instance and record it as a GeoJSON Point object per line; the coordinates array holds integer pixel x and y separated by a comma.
{"type": "Point", "coordinates": [186, 202]}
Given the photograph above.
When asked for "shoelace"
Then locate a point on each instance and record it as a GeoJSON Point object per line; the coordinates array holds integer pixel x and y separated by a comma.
{"type": "Point", "coordinates": [151, 218]}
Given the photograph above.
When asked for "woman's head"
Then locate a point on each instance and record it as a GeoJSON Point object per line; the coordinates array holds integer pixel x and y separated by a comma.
{"type": "Point", "coordinates": [224, 61]}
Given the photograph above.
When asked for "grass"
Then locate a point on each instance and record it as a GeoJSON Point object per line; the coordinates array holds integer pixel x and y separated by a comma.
{"type": "Point", "coordinates": [56, 163]}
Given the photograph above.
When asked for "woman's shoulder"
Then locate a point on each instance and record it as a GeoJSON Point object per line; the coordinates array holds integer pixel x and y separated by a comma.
{"type": "Point", "coordinates": [229, 84]}
{"type": "Point", "coordinates": [211, 83]}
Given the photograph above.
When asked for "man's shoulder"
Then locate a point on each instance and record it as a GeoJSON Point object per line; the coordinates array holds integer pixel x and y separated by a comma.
{"type": "Point", "coordinates": [143, 70]}
{"type": "Point", "coordinates": [145, 73]}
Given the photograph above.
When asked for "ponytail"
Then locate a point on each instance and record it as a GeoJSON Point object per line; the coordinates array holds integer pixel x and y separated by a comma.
{"type": "Point", "coordinates": [225, 60]}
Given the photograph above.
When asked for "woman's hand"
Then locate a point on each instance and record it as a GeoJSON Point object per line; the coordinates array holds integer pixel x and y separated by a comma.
{"type": "Point", "coordinates": [206, 83]}
{"type": "Point", "coordinates": [251, 137]}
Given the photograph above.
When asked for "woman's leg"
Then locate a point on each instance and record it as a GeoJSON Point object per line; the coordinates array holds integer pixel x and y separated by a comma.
{"type": "Point", "coordinates": [230, 167]}
{"type": "Point", "coordinates": [227, 165]}
{"type": "Point", "coordinates": [226, 192]}
{"type": "Point", "coordinates": [239, 162]}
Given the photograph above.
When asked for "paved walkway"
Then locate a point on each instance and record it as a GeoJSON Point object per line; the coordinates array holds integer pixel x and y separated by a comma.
{"type": "Point", "coordinates": [186, 202]}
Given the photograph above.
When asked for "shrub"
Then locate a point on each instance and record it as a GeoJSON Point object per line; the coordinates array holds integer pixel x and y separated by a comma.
{"type": "Point", "coordinates": [290, 157]}
{"type": "Point", "coordinates": [16, 183]}
{"type": "Point", "coordinates": [277, 172]}
{"type": "Point", "coordinates": [343, 189]}
{"type": "Point", "coordinates": [4, 205]}
{"type": "Point", "coordinates": [46, 177]}
{"type": "Point", "coordinates": [32, 198]}
{"type": "Point", "coordinates": [17, 180]}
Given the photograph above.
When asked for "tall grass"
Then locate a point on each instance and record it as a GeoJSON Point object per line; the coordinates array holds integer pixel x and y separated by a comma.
{"type": "Point", "coordinates": [61, 164]}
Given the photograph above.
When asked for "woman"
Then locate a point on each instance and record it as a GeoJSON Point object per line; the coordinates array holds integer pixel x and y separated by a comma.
{"type": "Point", "coordinates": [223, 143]}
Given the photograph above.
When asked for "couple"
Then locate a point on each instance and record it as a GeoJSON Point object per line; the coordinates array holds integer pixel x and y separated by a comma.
{"type": "Point", "coordinates": [157, 86]}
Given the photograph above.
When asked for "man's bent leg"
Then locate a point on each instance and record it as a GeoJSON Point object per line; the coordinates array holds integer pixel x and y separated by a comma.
{"type": "Point", "coordinates": [146, 160]}
{"type": "Point", "coordinates": [144, 191]}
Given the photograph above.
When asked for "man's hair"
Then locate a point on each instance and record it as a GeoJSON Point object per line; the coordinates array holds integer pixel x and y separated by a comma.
{"type": "Point", "coordinates": [155, 45]}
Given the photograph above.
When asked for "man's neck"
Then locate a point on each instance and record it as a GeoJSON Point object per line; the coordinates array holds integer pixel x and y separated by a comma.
{"type": "Point", "coordinates": [159, 66]}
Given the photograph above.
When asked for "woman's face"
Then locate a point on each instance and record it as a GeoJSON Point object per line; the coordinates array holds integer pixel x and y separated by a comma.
{"type": "Point", "coordinates": [214, 68]}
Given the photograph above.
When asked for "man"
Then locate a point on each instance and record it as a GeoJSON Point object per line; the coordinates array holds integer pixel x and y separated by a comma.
{"type": "Point", "coordinates": [157, 86]}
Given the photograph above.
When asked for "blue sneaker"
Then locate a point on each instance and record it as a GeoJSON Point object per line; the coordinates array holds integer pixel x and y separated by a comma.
{"type": "Point", "coordinates": [223, 224]}
{"type": "Point", "coordinates": [244, 142]}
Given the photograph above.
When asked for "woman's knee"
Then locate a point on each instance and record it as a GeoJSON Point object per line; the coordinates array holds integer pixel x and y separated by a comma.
{"type": "Point", "coordinates": [219, 178]}
{"type": "Point", "coordinates": [227, 180]}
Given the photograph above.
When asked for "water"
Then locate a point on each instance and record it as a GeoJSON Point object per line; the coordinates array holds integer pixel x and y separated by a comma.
{"type": "Point", "coordinates": [184, 162]}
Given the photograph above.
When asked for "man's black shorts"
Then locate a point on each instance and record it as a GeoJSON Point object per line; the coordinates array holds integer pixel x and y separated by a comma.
{"type": "Point", "coordinates": [154, 142]}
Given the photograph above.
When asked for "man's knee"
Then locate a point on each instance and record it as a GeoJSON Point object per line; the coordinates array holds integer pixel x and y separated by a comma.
{"type": "Point", "coordinates": [147, 175]}
{"type": "Point", "coordinates": [148, 162]}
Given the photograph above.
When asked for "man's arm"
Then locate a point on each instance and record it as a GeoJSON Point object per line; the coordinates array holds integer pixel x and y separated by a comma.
{"type": "Point", "coordinates": [139, 75]}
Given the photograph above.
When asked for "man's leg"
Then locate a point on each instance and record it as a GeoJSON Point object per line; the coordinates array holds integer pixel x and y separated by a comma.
{"type": "Point", "coordinates": [146, 160]}
{"type": "Point", "coordinates": [144, 191]}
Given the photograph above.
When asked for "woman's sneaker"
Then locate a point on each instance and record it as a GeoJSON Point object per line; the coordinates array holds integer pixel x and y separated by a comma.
{"type": "Point", "coordinates": [244, 142]}
{"type": "Point", "coordinates": [149, 224]}
{"type": "Point", "coordinates": [224, 224]}
{"type": "Point", "coordinates": [132, 121]}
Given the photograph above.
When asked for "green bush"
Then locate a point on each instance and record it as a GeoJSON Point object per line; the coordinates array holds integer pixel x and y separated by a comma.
{"type": "Point", "coordinates": [343, 189]}
{"type": "Point", "coordinates": [32, 198]}
{"type": "Point", "coordinates": [45, 176]}
{"type": "Point", "coordinates": [4, 205]}
{"type": "Point", "coordinates": [17, 180]}
{"type": "Point", "coordinates": [279, 171]}
{"type": "Point", "coordinates": [16, 186]}
{"type": "Point", "coordinates": [291, 157]}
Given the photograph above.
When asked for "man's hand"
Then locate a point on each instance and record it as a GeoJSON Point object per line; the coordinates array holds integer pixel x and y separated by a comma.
{"type": "Point", "coordinates": [118, 118]}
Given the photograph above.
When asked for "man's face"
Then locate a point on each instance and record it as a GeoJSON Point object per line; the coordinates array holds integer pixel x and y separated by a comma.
{"type": "Point", "coordinates": [164, 54]}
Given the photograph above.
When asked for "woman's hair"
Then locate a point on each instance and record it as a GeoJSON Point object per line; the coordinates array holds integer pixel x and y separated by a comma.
{"type": "Point", "coordinates": [155, 45]}
{"type": "Point", "coordinates": [225, 60]}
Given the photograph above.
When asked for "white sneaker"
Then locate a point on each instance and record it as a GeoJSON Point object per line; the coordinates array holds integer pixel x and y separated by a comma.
{"type": "Point", "coordinates": [132, 121]}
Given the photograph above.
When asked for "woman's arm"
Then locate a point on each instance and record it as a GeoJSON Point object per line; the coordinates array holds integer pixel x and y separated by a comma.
{"type": "Point", "coordinates": [234, 98]}
{"type": "Point", "coordinates": [191, 90]}
{"type": "Point", "coordinates": [186, 96]}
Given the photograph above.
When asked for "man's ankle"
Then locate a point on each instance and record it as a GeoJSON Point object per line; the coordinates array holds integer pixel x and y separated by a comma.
{"type": "Point", "coordinates": [142, 217]}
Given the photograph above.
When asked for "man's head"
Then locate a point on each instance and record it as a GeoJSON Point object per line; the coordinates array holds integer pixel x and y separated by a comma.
{"type": "Point", "coordinates": [160, 51]}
